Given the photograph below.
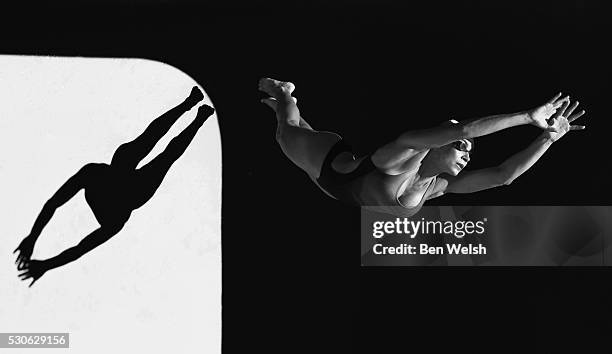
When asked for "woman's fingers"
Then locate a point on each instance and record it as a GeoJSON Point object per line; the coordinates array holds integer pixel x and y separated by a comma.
{"type": "Point", "coordinates": [563, 108]}
{"type": "Point", "coordinates": [576, 116]}
{"type": "Point", "coordinates": [552, 100]}
{"type": "Point", "coordinates": [552, 121]}
{"type": "Point", "coordinates": [561, 102]}
{"type": "Point", "coordinates": [571, 108]}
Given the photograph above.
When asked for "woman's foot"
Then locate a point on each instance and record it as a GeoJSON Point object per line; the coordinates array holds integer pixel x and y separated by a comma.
{"type": "Point", "coordinates": [271, 102]}
{"type": "Point", "coordinates": [276, 88]}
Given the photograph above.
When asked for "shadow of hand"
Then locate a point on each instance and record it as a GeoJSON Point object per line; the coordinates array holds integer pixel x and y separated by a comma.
{"type": "Point", "coordinates": [33, 269]}
{"type": "Point", "coordinates": [25, 249]}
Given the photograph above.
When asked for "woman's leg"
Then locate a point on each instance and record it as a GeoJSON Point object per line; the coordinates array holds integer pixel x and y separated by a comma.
{"type": "Point", "coordinates": [128, 155]}
{"type": "Point", "coordinates": [304, 146]}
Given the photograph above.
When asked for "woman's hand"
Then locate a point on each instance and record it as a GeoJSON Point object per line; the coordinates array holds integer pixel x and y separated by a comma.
{"type": "Point", "coordinates": [34, 269]}
{"type": "Point", "coordinates": [560, 122]}
{"type": "Point", "coordinates": [542, 116]}
{"type": "Point", "coordinates": [25, 249]}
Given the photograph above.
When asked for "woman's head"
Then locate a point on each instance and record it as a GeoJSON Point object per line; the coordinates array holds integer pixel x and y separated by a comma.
{"type": "Point", "coordinates": [452, 158]}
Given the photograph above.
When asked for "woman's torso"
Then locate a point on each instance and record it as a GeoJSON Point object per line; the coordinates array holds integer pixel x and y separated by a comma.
{"type": "Point", "coordinates": [398, 193]}
{"type": "Point", "coordinates": [379, 189]}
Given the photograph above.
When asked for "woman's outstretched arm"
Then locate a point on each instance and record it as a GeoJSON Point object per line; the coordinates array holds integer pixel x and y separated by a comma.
{"type": "Point", "coordinates": [446, 134]}
{"type": "Point", "coordinates": [516, 165]}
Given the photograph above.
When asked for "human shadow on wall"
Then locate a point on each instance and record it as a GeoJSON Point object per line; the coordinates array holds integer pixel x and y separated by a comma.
{"type": "Point", "coordinates": [114, 191]}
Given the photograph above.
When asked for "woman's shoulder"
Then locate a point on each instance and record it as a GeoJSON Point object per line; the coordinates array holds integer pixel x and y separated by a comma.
{"type": "Point", "coordinates": [405, 164]}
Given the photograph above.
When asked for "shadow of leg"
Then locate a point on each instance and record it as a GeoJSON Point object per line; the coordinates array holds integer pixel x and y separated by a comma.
{"type": "Point", "coordinates": [128, 155]}
{"type": "Point", "coordinates": [151, 175]}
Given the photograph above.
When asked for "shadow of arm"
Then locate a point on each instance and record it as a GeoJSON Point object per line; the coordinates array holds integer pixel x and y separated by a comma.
{"type": "Point", "coordinates": [63, 194]}
{"type": "Point", "coordinates": [93, 240]}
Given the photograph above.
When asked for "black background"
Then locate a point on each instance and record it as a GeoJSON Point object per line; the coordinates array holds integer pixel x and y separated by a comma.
{"type": "Point", "coordinates": [370, 70]}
